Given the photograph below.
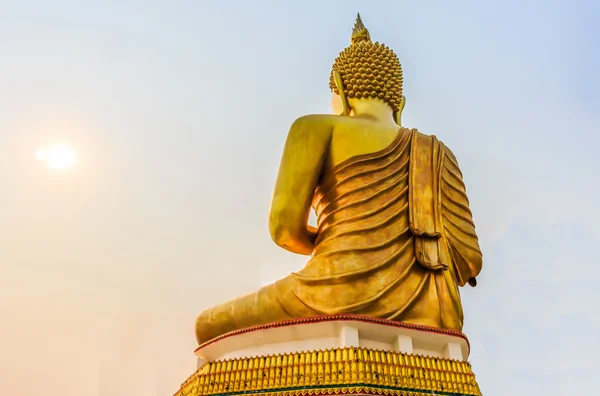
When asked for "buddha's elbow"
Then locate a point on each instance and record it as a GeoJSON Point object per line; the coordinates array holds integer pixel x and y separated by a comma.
{"type": "Point", "coordinates": [289, 234]}
{"type": "Point", "coordinates": [280, 235]}
{"type": "Point", "coordinates": [283, 236]}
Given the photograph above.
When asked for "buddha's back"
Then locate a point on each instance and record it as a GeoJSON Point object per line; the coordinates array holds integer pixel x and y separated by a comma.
{"type": "Point", "coordinates": [354, 136]}
{"type": "Point", "coordinates": [364, 261]}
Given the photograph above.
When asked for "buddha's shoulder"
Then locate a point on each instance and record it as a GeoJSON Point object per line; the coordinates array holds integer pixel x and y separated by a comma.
{"type": "Point", "coordinates": [335, 120]}
{"type": "Point", "coordinates": [341, 124]}
{"type": "Point", "coordinates": [326, 124]}
{"type": "Point", "coordinates": [316, 119]}
{"type": "Point", "coordinates": [425, 137]}
{"type": "Point", "coordinates": [431, 139]}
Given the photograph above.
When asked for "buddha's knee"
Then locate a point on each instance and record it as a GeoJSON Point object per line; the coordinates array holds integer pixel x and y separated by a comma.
{"type": "Point", "coordinates": [203, 327]}
{"type": "Point", "coordinates": [214, 322]}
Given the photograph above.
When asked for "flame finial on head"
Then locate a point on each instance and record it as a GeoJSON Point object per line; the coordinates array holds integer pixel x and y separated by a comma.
{"type": "Point", "coordinates": [360, 32]}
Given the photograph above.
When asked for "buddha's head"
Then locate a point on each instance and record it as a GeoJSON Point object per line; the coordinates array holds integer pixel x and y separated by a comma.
{"type": "Point", "coordinates": [366, 71]}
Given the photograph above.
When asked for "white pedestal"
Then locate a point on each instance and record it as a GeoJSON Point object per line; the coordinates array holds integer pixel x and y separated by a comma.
{"type": "Point", "coordinates": [341, 331]}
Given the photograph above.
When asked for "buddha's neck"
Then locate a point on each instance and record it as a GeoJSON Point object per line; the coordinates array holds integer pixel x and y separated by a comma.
{"type": "Point", "coordinates": [374, 109]}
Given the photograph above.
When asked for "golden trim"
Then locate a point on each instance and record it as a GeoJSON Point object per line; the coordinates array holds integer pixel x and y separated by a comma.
{"type": "Point", "coordinates": [333, 371]}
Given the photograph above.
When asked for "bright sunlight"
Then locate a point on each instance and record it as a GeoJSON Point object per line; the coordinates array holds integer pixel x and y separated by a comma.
{"type": "Point", "coordinates": [58, 156]}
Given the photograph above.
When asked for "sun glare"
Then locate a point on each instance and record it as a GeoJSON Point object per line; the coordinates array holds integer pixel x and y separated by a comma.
{"type": "Point", "coordinates": [58, 156]}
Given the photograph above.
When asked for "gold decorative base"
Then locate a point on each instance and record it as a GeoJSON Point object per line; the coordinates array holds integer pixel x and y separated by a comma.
{"type": "Point", "coordinates": [342, 370]}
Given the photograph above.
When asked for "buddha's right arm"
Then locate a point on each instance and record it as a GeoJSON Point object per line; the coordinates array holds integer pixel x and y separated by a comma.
{"type": "Point", "coordinates": [305, 151]}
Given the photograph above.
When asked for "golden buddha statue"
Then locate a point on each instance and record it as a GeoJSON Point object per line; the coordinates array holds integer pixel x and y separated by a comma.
{"type": "Point", "coordinates": [394, 238]}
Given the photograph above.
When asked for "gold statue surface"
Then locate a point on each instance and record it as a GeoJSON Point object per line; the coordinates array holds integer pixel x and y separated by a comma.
{"type": "Point", "coordinates": [395, 237]}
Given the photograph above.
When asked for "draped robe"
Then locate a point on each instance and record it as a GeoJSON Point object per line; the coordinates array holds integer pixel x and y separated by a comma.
{"type": "Point", "coordinates": [395, 240]}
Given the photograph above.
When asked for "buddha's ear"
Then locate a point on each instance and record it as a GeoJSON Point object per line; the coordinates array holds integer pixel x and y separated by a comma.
{"type": "Point", "coordinates": [398, 113]}
{"type": "Point", "coordinates": [337, 78]}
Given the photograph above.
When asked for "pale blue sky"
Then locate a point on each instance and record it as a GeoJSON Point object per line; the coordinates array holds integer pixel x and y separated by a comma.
{"type": "Point", "coordinates": [178, 112]}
